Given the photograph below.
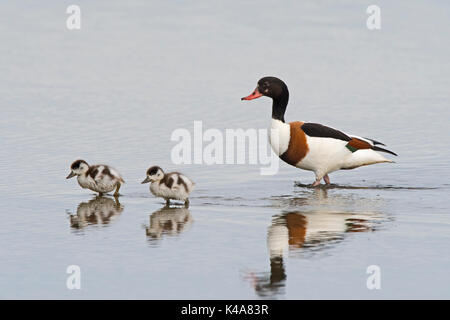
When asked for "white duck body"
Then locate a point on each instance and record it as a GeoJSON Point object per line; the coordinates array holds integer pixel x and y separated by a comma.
{"type": "Point", "coordinates": [322, 155]}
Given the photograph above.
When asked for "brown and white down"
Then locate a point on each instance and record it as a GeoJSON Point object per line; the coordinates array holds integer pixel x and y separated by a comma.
{"type": "Point", "coordinates": [169, 186]}
{"type": "Point", "coordinates": [99, 178]}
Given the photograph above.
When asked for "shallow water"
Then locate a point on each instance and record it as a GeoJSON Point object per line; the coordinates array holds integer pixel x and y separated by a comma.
{"type": "Point", "coordinates": [114, 91]}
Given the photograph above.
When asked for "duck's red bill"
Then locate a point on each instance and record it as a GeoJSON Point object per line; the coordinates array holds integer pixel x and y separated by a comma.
{"type": "Point", "coordinates": [255, 94]}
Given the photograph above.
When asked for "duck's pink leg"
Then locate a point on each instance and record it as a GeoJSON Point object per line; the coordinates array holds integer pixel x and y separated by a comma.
{"type": "Point", "coordinates": [326, 178]}
{"type": "Point", "coordinates": [316, 183]}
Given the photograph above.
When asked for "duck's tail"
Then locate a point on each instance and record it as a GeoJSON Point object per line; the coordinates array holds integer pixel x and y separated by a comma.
{"type": "Point", "coordinates": [365, 157]}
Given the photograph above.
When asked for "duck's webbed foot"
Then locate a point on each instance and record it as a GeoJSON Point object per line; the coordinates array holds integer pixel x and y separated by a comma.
{"type": "Point", "coordinates": [316, 183]}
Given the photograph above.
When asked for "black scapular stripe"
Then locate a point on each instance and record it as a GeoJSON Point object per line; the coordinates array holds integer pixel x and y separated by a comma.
{"type": "Point", "coordinates": [375, 142]}
{"type": "Point", "coordinates": [318, 130]}
{"type": "Point", "coordinates": [384, 150]}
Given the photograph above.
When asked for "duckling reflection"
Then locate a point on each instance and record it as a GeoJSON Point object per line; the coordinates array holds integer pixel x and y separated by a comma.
{"type": "Point", "coordinates": [100, 210]}
{"type": "Point", "coordinates": [168, 221]}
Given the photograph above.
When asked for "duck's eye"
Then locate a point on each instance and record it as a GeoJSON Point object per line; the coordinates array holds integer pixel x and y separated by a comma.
{"type": "Point", "coordinates": [264, 87]}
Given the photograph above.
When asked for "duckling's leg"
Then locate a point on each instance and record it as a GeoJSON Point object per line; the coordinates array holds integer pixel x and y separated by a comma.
{"type": "Point", "coordinates": [186, 203]}
{"type": "Point", "coordinates": [100, 194]}
{"type": "Point", "coordinates": [326, 178]}
{"type": "Point", "coordinates": [167, 202]}
{"type": "Point", "coordinates": [316, 183]}
{"type": "Point", "coordinates": [116, 193]}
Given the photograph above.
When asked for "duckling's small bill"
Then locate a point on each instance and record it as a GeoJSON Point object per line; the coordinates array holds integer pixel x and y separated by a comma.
{"type": "Point", "coordinates": [71, 175]}
{"type": "Point", "coordinates": [146, 180]}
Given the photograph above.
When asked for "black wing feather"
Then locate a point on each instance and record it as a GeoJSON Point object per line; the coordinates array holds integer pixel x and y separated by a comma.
{"type": "Point", "coordinates": [318, 130]}
{"type": "Point", "coordinates": [375, 142]}
{"type": "Point", "coordinates": [384, 150]}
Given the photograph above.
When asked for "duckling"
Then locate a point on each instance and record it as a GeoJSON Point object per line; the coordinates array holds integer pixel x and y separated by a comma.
{"type": "Point", "coordinates": [173, 185]}
{"type": "Point", "coordinates": [99, 178]}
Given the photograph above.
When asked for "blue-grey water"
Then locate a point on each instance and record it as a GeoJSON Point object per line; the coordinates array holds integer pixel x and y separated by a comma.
{"type": "Point", "coordinates": [115, 90]}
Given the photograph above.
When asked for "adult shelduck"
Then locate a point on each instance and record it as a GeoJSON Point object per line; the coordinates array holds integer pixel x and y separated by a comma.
{"type": "Point", "coordinates": [312, 146]}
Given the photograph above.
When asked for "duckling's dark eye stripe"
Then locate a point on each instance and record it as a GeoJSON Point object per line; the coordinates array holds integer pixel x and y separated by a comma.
{"type": "Point", "coordinates": [152, 171]}
{"type": "Point", "coordinates": [76, 165]}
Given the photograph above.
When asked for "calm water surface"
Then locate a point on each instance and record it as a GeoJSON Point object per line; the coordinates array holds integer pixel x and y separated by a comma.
{"type": "Point", "coordinates": [115, 90]}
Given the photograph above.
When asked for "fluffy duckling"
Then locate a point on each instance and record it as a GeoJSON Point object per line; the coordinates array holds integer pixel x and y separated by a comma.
{"type": "Point", "coordinates": [99, 178]}
{"type": "Point", "coordinates": [173, 185]}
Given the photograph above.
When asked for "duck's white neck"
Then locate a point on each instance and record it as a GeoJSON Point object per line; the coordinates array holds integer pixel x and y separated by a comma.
{"type": "Point", "coordinates": [279, 137]}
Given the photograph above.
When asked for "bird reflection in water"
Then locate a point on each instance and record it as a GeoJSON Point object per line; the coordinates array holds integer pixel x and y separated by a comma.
{"type": "Point", "coordinates": [98, 211]}
{"type": "Point", "coordinates": [299, 233]}
{"type": "Point", "coordinates": [169, 221]}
